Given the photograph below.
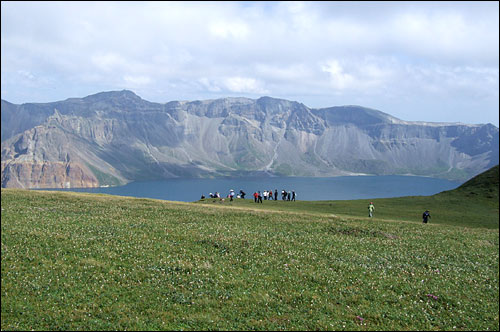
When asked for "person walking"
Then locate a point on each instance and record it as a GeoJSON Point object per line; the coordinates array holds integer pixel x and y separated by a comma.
{"type": "Point", "coordinates": [425, 216]}
{"type": "Point", "coordinates": [293, 195]}
{"type": "Point", "coordinates": [231, 195]}
{"type": "Point", "coordinates": [371, 208]}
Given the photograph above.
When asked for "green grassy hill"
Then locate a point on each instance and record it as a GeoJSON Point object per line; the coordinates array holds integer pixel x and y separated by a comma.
{"type": "Point", "coordinates": [73, 261]}
{"type": "Point", "coordinates": [473, 204]}
{"type": "Point", "coordinates": [482, 187]}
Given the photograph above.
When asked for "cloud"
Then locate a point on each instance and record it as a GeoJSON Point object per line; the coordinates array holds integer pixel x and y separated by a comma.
{"type": "Point", "coordinates": [209, 85]}
{"type": "Point", "coordinates": [244, 84]}
{"type": "Point", "coordinates": [26, 74]}
{"type": "Point", "coordinates": [225, 30]}
{"type": "Point", "coordinates": [379, 54]}
{"type": "Point", "coordinates": [339, 79]}
{"type": "Point", "coordinates": [108, 62]}
{"type": "Point", "coordinates": [137, 80]}
{"type": "Point", "coordinates": [445, 36]}
{"type": "Point", "coordinates": [233, 84]}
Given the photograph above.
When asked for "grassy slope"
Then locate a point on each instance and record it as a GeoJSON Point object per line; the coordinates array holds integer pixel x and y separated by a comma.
{"type": "Point", "coordinates": [444, 210]}
{"type": "Point", "coordinates": [483, 187]}
{"type": "Point", "coordinates": [95, 262]}
{"type": "Point", "coordinates": [473, 204]}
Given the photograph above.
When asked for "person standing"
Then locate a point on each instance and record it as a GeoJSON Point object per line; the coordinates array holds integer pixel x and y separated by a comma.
{"type": "Point", "coordinates": [259, 197]}
{"type": "Point", "coordinates": [425, 216]}
{"type": "Point", "coordinates": [275, 194]}
{"type": "Point", "coordinates": [371, 208]}
{"type": "Point", "coordinates": [293, 195]}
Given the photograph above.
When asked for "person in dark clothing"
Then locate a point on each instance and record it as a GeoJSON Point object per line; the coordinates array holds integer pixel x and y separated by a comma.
{"type": "Point", "coordinates": [242, 194]}
{"type": "Point", "coordinates": [293, 195]}
{"type": "Point", "coordinates": [425, 216]}
{"type": "Point", "coordinates": [275, 194]}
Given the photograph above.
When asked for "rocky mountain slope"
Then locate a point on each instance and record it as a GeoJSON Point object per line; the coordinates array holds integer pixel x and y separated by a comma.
{"type": "Point", "coordinates": [111, 138]}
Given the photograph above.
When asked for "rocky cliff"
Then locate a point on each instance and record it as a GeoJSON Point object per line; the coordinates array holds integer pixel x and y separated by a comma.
{"type": "Point", "coordinates": [114, 137]}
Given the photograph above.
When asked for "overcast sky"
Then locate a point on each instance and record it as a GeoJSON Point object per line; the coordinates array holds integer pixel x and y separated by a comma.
{"type": "Point", "coordinates": [422, 61]}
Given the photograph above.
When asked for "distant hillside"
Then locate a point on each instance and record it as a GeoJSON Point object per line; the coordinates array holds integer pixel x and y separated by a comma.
{"type": "Point", "coordinates": [485, 185]}
{"type": "Point", "coordinates": [112, 138]}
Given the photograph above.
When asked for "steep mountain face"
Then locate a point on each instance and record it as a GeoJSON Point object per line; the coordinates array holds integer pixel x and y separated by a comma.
{"type": "Point", "coordinates": [112, 138]}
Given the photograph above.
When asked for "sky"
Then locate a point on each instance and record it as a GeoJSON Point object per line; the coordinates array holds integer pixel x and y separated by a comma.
{"type": "Point", "coordinates": [418, 61]}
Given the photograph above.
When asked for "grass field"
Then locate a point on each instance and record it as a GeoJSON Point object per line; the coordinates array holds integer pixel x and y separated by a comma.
{"type": "Point", "coordinates": [444, 209]}
{"type": "Point", "coordinates": [73, 261]}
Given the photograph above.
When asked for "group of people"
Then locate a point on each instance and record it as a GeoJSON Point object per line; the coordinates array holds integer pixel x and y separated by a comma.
{"type": "Point", "coordinates": [425, 216]}
{"type": "Point", "coordinates": [258, 196]}
{"type": "Point", "coordinates": [231, 195]}
{"type": "Point", "coordinates": [270, 195]}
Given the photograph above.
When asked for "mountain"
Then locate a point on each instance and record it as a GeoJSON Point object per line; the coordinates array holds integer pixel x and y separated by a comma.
{"type": "Point", "coordinates": [111, 138]}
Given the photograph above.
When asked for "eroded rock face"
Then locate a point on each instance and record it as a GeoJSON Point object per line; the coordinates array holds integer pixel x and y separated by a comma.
{"type": "Point", "coordinates": [47, 175]}
{"type": "Point", "coordinates": [115, 137]}
{"type": "Point", "coordinates": [51, 156]}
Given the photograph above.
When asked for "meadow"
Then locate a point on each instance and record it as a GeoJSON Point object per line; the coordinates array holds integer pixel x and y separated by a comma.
{"type": "Point", "coordinates": [73, 261]}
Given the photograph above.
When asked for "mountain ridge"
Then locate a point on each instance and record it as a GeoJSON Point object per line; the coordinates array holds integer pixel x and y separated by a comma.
{"type": "Point", "coordinates": [130, 95]}
{"type": "Point", "coordinates": [114, 137]}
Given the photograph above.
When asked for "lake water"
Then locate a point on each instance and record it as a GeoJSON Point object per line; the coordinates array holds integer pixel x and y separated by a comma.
{"type": "Point", "coordinates": [309, 189]}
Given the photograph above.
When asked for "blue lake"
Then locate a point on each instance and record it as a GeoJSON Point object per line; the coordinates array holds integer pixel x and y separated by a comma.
{"type": "Point", "coordinates": [306, 188]}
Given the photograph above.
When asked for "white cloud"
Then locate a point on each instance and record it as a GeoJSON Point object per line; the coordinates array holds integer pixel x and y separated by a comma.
{"type": "Point", "coordinates": [446, 36]}
{"type": "Point", "coordinates": [319, 53]}
{"type": "Point", "coordinates": [339, 78]}
{"type": "Point", "coordinates": [209, 85]}
{"type": "Point", "coordinates": [244, 85]}
{"type": "Point", "coordinates": [368, 75]}
{"type": "Point", "coordinates": [225, 30]}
